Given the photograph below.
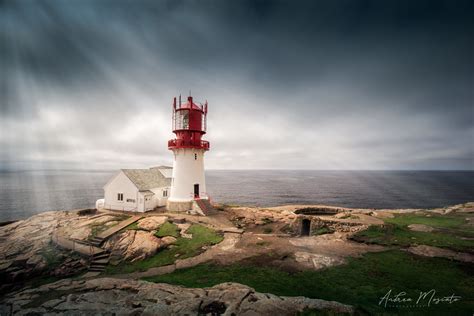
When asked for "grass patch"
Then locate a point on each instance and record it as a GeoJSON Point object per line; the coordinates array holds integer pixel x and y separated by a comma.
{"type": "Point", "coordinates": [322, 231]}
{"type": "Point", "coordinates": [132, 226]}
{"type": "Point", "coordinates": [449, 231]}
{"type": "Point", "coordinates": [431, 219]}
{"type": "Point", "coordinates": [168, 229]}
{"type": "Point", "coordinates": [394, 235]}
{"type": "Point", "coordinates": [362, 282]}
{"type": "Point", "coordinates": [183, 248]}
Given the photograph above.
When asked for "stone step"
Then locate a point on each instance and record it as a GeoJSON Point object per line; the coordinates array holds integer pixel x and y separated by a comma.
{"type": "Point", "coordinates": [101, 269]}
{"type": "Point", "coordinates": [91, 274]}
{"type": "Point", "coordinates": [101, 254]}
{"type": "Point", "coordinates": [101, 257]}
{"type": "Point", "coordinates": [206, 206]}
{"type": "Point", "coordinates": [100, 261]}
{"type": "Point", "coordinates": [97, 265]}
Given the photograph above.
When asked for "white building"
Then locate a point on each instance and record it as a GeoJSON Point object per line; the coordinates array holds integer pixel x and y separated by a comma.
{"type": "Point", "coordinates": [138, 190]}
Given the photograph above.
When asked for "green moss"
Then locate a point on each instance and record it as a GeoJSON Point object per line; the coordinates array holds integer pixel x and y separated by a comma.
{"type": "Point", "coordinates": [267, 230]}
{"type": "Point", "coordinates": [168, 229]}
{"type": "Point", "coordinates": [132, 226]}
{"type": "Point", "coordinates": [321, 231]}
{"type": "Point", "coordinates": [362, 282]}
{"type": "Point", "coordinates": [183, 248]}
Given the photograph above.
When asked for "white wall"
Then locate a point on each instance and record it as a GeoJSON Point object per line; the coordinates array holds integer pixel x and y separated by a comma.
{"type": "Point", "coordinates": [159, 199]}
{"type": "Point", "coordinates": [121, 184]}
{"type": "Point", "coordinates": [187, 171]}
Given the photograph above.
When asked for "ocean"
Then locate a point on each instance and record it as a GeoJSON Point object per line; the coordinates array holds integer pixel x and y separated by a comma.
{"type": "Point", "coordinates": [25, 193]}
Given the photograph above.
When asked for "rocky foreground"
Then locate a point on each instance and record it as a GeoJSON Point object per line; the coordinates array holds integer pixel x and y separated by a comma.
{"type": "Point", "coordinates": [107, 296]}
{"type": "Point", "coordinates": [299, 237]}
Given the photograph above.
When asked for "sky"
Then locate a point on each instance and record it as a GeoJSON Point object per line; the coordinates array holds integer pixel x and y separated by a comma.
{"type": "Point", "coordinates": [378, 85]}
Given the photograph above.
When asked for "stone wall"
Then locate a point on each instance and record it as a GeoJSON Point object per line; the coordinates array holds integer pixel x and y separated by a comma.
{"type": "Point", "coordinates": [318, 223]}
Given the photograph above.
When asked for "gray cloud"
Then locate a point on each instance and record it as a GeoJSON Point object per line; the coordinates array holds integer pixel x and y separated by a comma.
{"type": "Point", "coordinates": [308, 85]}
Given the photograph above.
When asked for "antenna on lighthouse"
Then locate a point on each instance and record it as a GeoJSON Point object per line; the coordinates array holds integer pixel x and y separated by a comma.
{"type": "Point", "coordinates": [180, 101]}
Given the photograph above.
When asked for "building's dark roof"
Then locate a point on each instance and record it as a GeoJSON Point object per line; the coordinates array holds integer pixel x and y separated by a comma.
{"type": "Point", "coordinates": [147, 179]}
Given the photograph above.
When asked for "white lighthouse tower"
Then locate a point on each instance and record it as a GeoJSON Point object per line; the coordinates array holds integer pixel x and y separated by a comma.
{"type": "Point", "coordinates": [188, 183]}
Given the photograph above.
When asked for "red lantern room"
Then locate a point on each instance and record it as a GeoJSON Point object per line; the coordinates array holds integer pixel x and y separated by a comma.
{"type": "Point", "coordinates": [189, 124]}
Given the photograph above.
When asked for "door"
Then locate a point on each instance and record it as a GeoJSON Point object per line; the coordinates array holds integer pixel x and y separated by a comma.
{"type": "Point", "coordinates": [196, 190]}
{"type": "Point", "coordinates": [305, 227]}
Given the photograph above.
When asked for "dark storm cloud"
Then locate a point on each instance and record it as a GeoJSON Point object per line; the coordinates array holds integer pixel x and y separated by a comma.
{"type": "Point", "coordinates": [349, 75]}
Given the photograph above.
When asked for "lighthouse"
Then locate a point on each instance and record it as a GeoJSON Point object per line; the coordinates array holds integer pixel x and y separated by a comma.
{"type": "Point", "coordinates": [188, 182]}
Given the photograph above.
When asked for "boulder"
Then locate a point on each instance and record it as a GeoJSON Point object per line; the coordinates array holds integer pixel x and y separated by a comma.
{"type": "Point", "coordinates": [420, 228]}
{"type": "Point", "coordinates": [168, 240]}
{"type": "Point", "coordinates": [317, 261]}
{"type": "Point", "coordinates": [152, 222]}
{"type": "Point", "coordinates": [134, 245]}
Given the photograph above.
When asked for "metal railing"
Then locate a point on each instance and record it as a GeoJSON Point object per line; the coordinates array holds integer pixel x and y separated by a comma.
{"type": "Point", "coordinates": [203, 144]}
{"type": "Point", "coordinates": [202, 195]}
{"type": "Point", "coordinates": [79, 246]}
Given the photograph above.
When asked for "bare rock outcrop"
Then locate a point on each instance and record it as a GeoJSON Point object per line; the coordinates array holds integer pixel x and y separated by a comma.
{"type": "Point", "coordinates": [420, 228]}
{"type": "Point", "coordinates": [130, 297]}
{"type": "Point", "coordinates": [134, 245]}
{"type": "Point", "coordinates": [168, 240]}
{"type": "Point", "coordinates": [21, 246]}
{"type": "Point", "coordinates": [152, 222]}
{"type": "Point", "coordinates": [430, 251]}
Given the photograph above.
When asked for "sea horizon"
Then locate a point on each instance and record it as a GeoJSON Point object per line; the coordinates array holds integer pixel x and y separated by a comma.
{"type": "Point", "coordinates": [29, 192]}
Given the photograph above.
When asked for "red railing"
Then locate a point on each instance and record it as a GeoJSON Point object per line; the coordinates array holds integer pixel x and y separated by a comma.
{"type": "Point", "coordinates": [202, 195]}
{"type": "Point", "coordinates": [180, 143]}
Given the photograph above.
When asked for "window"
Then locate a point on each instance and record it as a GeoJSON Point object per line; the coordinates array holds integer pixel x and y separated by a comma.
{"type": "Point", "coordinates": [131, 200]}
{"type": "Point", "coordinates": [165, 193]}
{"type": "Point", "coordinates": [195, 156]}
{"type": "Point", "coordinates": [186, 120]}
{"type": "Point", "coordinates": [182, 119]}
{"type": "Point", "coordinates": [120, 196]}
